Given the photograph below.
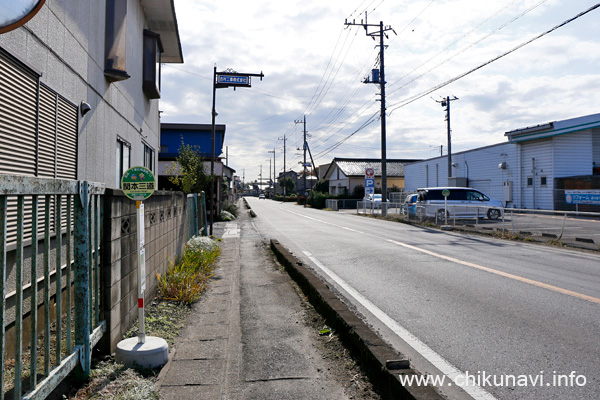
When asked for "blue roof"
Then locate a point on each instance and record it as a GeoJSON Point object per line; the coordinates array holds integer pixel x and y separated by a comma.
{"type": "Point", "coordinates": [196, 135]}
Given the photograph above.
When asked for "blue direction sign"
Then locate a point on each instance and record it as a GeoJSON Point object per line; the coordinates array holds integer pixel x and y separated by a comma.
{"type": "Point", "coordinates": [234, 80]}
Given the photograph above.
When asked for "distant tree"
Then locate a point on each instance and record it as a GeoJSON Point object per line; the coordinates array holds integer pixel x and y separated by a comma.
{"type": "Point", "coordinates": [188, 172]}
{"type": "Point", "coordinates": [287, 183]}
{"type": "Point", "coordinates": [358, 192]}
{"type": "Point", "coordinates": [322, 186]}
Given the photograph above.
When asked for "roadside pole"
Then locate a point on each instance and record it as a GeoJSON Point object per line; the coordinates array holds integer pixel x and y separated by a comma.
{"type": "Point", "coordinates": [446, 227]}
{"type": "Point", "coordinates": [138, 184]}
{"type": "Point", "coordinates": [141, 274]}
{"type": "Point", "coordinates": [222, 80]}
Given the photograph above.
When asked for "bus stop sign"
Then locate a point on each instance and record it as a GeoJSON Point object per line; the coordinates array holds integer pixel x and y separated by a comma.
{"type": "Point", "coordinates": [138, 183]}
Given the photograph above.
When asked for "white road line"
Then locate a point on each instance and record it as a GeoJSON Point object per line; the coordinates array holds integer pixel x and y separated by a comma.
{"type": "Point", "coordinates": [476, 392]}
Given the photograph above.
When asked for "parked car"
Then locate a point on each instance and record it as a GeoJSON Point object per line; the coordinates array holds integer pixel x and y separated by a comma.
{"type": "Point", "coordinates": [375, 199]}
{"type": "Point", "coordinates": [461, 202]}
{"type": "Point", "coordinates": [410, 204]}
{"type": "Point", "coordinates": [261, 196]}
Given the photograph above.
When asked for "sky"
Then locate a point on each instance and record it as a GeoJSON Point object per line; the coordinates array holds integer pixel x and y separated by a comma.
{"type": "Point", "coordinates": [315, 66]}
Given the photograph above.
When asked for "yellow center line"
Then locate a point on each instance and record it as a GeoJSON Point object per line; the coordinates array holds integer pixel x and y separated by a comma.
{"type": "Point", "coordinates": [501, 273]}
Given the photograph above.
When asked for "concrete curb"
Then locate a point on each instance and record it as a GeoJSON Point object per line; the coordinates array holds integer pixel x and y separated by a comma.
{"type": "Point", "coordinates": [382, 364]}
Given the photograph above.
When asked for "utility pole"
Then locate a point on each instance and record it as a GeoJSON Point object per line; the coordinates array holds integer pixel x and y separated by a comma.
{"type": "Point", "coordinates": [270, 180]}
{"type": "Point", "coordinates": [446, 103]}
{"type": "Point", "coordinates": [284, 189]}
{"type": "Point", "coordinates": [379, 79]}
{"type": "Point", "coordinates": [274, 174]}
{"type": "Point", "coordinates": [304, 163]}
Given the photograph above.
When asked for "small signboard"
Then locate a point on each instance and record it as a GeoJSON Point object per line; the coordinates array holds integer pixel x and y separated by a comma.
{"type": "Point", "coordinates": [582, 196]}
{"type": "Point", "coordinates": [142, 271]}
{"type": "Point", "coordinates": [234, 80]}
{"type": "Point", "coordinates": [142, 228]}
{"type": "Point", "coordinates": [138, 183]}
{"type": "Point", "coordinates": [369, 181]}
{"type": "Point", "coordinates": [445, 193]}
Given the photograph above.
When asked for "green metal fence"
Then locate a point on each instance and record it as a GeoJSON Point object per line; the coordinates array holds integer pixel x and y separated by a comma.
{"type": "Point", "coordinates": [196, 215]}
{"type": "Point", "coordinates": [50, 236]}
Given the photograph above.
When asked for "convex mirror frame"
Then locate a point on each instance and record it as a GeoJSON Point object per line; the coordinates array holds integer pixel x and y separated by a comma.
{"type": "Point", "coordinates": [14, 14]}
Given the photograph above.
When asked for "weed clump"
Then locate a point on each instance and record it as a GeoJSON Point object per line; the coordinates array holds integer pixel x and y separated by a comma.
{"type": "Point", "coordinates": [187, 278]}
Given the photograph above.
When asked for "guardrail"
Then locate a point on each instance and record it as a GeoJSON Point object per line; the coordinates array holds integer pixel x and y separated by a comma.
{"type": "Point", "coordinates": [566, 226]}
{"type": "Point", "coordinates": [34, 212]}
{"type": "Point", "coordinates": [375, 207]}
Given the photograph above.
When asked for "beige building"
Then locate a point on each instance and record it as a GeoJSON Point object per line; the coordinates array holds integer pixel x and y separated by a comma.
{"type": "Point", "coordinates": [344, 174]}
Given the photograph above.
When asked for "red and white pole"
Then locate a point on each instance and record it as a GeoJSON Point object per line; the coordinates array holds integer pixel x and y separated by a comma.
{"type": "Point", "coordinates": [141, 270]}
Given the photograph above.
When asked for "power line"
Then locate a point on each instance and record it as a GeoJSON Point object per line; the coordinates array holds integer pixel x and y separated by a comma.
{"type": "Point", "coordinates": [441, 85]}
{"type": "Point", "coordinates": [465, 48]}
{"type": "Point", "coordinates": [328, 150]}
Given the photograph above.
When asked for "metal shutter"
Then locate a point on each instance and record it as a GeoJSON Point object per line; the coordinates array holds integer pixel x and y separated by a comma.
{"type": "Point", "coordinates": [58, 136]}
{"type": "Point", "coordinates": [66, 124]}
{"type": "Point", "coordinates": [51, 152]}
{"type": "Point", "coordinates": [47, 134]}
{"type": "Point", "coordinates": [18, 110]}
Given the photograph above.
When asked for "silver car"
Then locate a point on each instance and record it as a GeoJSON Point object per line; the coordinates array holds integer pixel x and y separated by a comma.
{"type": "Point", "coordinates": [460, 202]}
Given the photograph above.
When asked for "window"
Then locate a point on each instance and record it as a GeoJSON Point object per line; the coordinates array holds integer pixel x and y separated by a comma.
{"type": "Point", "coordinates": [543, 181]}
{"type": "Point", "coordinates": [148, 157]}
{"type": "Point", "coordinates": [529, 181]}
{"type": "Point", "coordinates": [38, 136]}
{"type": "Point", "coordinates": [123, 159]}
{"type": "Point", "coordinates": [38, 127]}
{"type": "Point", "coordinates": [115, 41]}
{"type": "Point", "coordinates": [151, 64]}
{"type": "Point", "coordinates": [471, 195]}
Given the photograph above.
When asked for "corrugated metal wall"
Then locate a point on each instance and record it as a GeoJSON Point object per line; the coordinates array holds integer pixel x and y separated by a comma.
{"type": "Point", "coordinates": [572, 154]}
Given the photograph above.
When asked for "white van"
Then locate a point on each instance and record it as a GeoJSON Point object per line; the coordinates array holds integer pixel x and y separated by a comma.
{"type": "Point", "coordinates": [462, 202]}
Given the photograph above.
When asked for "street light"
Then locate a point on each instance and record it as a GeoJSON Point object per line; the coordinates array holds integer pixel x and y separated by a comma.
{"type": "Point", "coordinates": [222, 80]}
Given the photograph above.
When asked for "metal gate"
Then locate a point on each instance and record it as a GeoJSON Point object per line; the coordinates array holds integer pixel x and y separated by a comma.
{"type": "Point", "coordinates": [50, 236]}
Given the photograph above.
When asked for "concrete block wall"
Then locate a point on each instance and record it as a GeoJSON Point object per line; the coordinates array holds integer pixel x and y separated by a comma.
{"type": "Point", "coordinates": [165, 237]}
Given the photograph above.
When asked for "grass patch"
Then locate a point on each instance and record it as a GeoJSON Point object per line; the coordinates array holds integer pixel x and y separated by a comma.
{"type": "Point", "coordinates": [187, 278]}
{"type": "Point", "coordinates": [163, 319]}
{"type": "Point", "coordinates": [185, 281]}
{"type": "Point", "coordinates": [111, 380]}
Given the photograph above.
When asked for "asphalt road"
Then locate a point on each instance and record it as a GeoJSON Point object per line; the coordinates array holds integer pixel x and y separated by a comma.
{"type": "Point", "coordinates": [520, 320]}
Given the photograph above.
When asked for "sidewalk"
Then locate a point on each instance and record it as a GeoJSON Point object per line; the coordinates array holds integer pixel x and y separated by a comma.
{"type": "Point", "coordinates": [247, 337]}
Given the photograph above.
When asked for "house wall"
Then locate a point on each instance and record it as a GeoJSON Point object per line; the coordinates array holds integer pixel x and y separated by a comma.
{"type": "Point", "coordinates": [480, 167]}
{"type": "Point", "coordinates": [596, 146]}
{"type": "Point", "coordinates": [536, 162]}
{"type": "Point", "coordinates": [338, 182]}
{"type": "Point", "coordinates": [65, 42]}
{"type": "Point", "coordinates": [573, 154]}
{"type": "Point", "coordinates": [201, 140]}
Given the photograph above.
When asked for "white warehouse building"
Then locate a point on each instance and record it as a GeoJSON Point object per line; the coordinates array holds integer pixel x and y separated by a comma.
{"type": "Point", "coordinates": [528, 171]}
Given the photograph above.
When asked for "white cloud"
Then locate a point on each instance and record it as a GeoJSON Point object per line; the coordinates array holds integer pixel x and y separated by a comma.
{"type": "Point", "coordinates": [314, 64]}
